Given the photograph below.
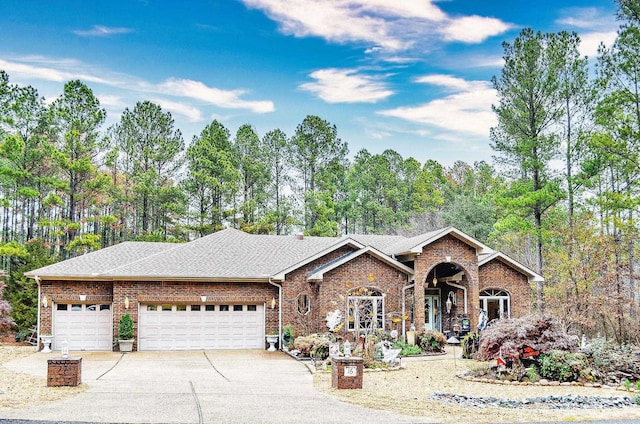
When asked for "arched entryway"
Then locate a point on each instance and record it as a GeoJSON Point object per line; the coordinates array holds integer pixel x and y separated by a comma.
{"type": "Point", "coordinates": [446, 299]}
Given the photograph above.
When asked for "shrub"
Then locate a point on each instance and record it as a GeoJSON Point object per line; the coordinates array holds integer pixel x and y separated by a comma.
{"type": "Point", "coordinates": [312, 345]}
{"type": "Point", "coordinates": [125, 327]}
{"type": "Point", "coordinates": [608, 359]}
{"type": "Point", "coordinates": [563, 366]}
{"type": "Point", "coordinates": [432, 341]}
{"type": "Point", "coordinates": [506, 337]}
{"type": "Point", "coordinates": [407, 349]}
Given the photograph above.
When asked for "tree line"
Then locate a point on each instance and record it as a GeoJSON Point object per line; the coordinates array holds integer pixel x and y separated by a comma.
{"type": "Point", "coordinates": [562, 196]}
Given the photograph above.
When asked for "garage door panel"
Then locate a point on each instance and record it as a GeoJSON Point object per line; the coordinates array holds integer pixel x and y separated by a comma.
{"type": "Point", "coordinates": [83, 326]}
{"type": "Point", "coordinates": [194, 327]}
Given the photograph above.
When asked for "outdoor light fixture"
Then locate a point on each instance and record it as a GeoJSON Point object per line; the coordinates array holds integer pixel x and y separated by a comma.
{"type": "Point", "coordinates": [126, 302]}
{"type": "Point", "coordinates": [45, 302]}
{"type": "Point", "coordinates": [273, 303]}
{"type": "Point", "coordinates": [451, 301]}
{"type": "Point", "coordinates": [435, 279]}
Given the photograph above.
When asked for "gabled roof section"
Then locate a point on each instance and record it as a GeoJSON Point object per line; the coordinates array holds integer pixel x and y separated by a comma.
{"type": "Point", "coordinates": [318, 273]}
{"type": "Point", "coordinates": [280, 275]}
{"type": "Point", "coordinates": [533, 276]}
{"type": "Point", "coordinates": [414, 245]}
{"type": "Point", "coordinates": [98, 264]}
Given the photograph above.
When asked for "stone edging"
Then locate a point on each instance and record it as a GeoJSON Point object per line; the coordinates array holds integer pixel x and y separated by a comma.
{"type": "Point", "coordinates": [544, 382]}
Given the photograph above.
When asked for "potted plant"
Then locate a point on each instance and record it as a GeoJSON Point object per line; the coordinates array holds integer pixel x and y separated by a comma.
{"type": "Point", "coordinates": [125, 333]}
{"type": "Point", "coordinates": [272, 339]}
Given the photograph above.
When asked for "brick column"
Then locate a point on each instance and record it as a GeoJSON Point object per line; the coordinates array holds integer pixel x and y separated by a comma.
{"type": "Point", "coordinates": [64, 372]}
{"type": "Point", "coordinates": [421, 268]}
{"type": "Point", "coordinates": [346, 373]}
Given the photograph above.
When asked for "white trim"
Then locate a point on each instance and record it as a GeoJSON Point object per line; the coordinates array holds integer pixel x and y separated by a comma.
{"type": "Point", "coordinates": [480, 247]}
{"type": "Point", "coordinates": [533, 276]}
{"type": "Point", "coordinates": [318, 274]}
{"type": "Point", "coordinates": [280, 276]}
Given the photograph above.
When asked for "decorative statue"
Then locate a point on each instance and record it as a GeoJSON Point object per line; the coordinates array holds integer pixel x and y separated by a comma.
{"type": "Point", "coordinates": [482, 320]}
{"type": "Point", "coordinates": [333, 319]}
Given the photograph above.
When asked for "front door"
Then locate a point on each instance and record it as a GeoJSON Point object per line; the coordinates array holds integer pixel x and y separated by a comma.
{"type": "Point", "coordinates": [432, 312]}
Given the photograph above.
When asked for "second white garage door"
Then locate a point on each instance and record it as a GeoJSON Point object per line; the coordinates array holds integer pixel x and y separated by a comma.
{"type": "Point", "coordinates": [193, 327]}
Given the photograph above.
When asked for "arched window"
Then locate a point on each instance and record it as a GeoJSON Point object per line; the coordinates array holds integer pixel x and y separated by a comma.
{"type": "Point", "coordinates": [496, 303]}
{"type": "Point", "coordinates": [365, 309]}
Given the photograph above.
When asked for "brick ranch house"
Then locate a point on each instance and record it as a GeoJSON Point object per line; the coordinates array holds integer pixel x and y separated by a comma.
{"type": "Point", "coordinates": [228, 289]}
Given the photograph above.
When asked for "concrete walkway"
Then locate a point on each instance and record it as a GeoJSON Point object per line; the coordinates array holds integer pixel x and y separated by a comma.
{"type": "Point", "coordinates": [194, 387]}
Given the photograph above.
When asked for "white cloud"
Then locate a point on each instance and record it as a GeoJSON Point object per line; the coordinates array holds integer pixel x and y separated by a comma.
{"type": "Point", "coordinates": [102, 31]}
{"type": "Point", "coordinates": [346, 86]}
{"type": "Point", "coordinates": [215, 96]}
{"type": "Point", "coordinates": [48, 73]}
{"type": "Point", "coordinates": [468, 110]}
{"type": "Point", "coordinates": [589, 18]}
{"type": "Point", "coordinates": [589, 42]}
{"type": "Point", "coordinates": [68, 69]}
{"type": "Point", "coordinates": [474, 29]}
{"type": "Point", "coordinates": [112, 101]}
{"type": "Point", "coordinates": [387, 26]}
{"type": "Point", "coordinates": [191, 113]}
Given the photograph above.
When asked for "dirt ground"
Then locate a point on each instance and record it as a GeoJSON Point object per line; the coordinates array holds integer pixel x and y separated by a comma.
{"type": "Point", "coordinates": [407, 391]}
{"type": "Point", "coordinates": [18, 390]}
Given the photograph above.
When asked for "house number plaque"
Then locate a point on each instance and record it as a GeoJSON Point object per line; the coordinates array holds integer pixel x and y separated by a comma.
{"type": "Point", "coordinates": [350, 371]}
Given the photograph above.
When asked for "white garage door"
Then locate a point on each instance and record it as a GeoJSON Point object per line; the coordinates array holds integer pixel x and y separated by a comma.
{"type": "Point", "coordinates": [85, 326]}
{"type": "Point", "coordinates": [192, 327]}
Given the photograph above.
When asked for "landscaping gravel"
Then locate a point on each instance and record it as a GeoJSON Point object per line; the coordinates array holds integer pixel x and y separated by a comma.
{"type": "Point", "coordinates": [553, 402]}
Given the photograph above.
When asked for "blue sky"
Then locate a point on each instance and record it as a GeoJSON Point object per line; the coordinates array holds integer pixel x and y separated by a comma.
{"type": "Point", "coordinates": [408, 75]}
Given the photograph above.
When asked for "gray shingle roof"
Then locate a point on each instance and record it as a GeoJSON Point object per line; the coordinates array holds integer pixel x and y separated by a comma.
{"type": "Point", "coordinates": [225, 255]}
{"type": "Point", "coordinates": [102, 261]}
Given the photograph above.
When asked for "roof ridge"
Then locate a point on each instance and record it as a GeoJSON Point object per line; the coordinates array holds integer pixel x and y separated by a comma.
{"type": "Point", "coordinates": [178, 245]}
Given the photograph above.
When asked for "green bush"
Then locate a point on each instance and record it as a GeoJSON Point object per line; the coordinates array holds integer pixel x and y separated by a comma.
{"type": "Point", "coordinates": [560, 365]}
{"type": "Point", "coordinates": [125, 328]}
{"type": "Point", "coordinates": [432, 341]}
{"type": "Point", "coordinates": [407, 349]}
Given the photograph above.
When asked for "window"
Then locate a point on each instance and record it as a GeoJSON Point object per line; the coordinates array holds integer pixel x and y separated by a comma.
{"type": "Point", "coordinates": [166, 307]}
{"type": "Point", "coordinates": [304, 306]}
{"type": "Point", "coordinates": [365, 310]}
{"type": "Point", "coordinates": [76, 307]}
{"type": "Point", "coordinates": [209, 308]}
{"type": "Point", "coordinates": [91, 307]}
{"type": "Point", "coordinates": [105, 307]}
{"type": "Point", "coordinates": [224, 308]}
{"type": "Point", "coordinates": [195, 308]}
{"type": "Point", "coordinates": [496, 303]}
{"type": "Point", "coordinates": [181, 307]}
{"type": "Point", "coordinates": [252, 308]}
{"type": "Point", "coordinates": [61, 307]}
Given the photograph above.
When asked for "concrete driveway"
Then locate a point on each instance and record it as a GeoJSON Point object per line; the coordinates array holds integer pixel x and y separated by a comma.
{"type": "Point", "coordinates": [194, 387]}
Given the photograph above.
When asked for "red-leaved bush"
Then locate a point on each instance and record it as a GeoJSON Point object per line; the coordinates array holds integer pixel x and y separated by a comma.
{"type": "Point", "coordinates": [5, 320]}
{"type": "Point", "coordinates": [505, 337]}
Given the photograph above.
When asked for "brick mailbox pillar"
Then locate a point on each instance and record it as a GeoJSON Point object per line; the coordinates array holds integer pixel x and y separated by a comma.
{"type": "Point", "coordinates": [346, 373]}
{"type": "Point", "coordinates": [64, 372]}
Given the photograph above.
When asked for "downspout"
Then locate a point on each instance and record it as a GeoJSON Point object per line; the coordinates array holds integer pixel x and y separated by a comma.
{"type": "Point", "coordinates": [39, 303]}
{"type": "Point", "coordinates": [404, 289]}
{"type": "Point", "coordinates": [279, 311]}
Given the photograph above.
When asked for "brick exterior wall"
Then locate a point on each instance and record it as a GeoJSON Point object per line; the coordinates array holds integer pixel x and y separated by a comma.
{"type": "Point", "coordinates": [497, 275]}
{"type": "Point", "coordinates": [330, 294]}
{"type": "Point", "coordinates": [154, 292]}
{"type": "Point", "coordinates": [461, 255]}
{"type": "Point", "coordinates": [324, 296]}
